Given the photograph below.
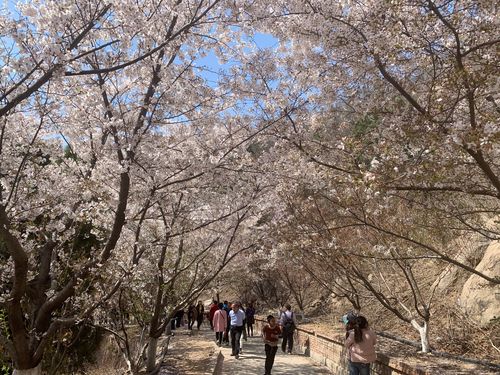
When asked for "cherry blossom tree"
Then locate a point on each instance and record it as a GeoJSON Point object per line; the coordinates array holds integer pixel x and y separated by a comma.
{"type": "Point", "coordinates": [417, 82]}
{"type": "Point", "coordinates": [393, 128]}
{"type": "Point", "coordinates": [196, 233]}
{"type": "Point", "coordinates": [374, 122]}
{"type": "Point", "coordinates": [110, 82]}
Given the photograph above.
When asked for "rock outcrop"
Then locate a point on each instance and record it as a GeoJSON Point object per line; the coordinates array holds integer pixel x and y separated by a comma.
{"type": "Point", "coordinates": [470, 251]}
{"type": "Point", "coordinates": [480, 298]}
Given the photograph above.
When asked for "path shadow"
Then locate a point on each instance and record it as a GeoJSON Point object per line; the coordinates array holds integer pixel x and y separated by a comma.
{"type": "Point", "coordinates": [246, 356]}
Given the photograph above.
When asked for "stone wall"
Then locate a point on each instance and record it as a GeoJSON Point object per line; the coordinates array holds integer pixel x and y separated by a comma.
{"type": "Point", "coordinates": [330, 352]}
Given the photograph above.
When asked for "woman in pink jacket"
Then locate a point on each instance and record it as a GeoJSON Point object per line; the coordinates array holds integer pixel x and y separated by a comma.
{"type": "Point", "coordinates": [220, 323]}
{"type": "Point", "coordinates": [360, 343]}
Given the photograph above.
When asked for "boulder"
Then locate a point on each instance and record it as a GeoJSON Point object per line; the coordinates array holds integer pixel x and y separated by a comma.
{"type": "Point", "coordinates": [469, 250]}
{"type": "Point", "coordinates": [480, 298]}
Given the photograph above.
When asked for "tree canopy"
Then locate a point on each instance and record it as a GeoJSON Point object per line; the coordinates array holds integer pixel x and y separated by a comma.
{"type": "Point", "coordinates": [357, 147]}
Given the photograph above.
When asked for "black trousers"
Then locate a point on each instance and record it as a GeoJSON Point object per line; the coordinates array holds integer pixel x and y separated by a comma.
{"type": "Point", "coordinates": [249, 329]}
{"type": "Point", "coordinates": [235, 338]}
{"type": "Point", "coordinates": [178, 321]}
{"type": "Point", "coordinates": [270, 354]}
{"type": "Point", "coordinates": [219, 336]}
{"type": "Point", "coordinates": [287, 339]}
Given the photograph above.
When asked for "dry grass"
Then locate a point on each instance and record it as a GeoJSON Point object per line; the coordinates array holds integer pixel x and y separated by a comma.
{"type": "Point", "coordinates": [188, 354]}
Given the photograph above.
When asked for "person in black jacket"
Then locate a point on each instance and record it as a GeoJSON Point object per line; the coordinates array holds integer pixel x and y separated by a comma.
{"type": "Point", "coordinates": [200, 310]}
{"type": "Point", "coordinates": [226, 334]}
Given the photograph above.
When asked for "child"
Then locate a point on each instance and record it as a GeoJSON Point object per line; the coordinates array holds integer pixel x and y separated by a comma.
{"type": "Point", "coordinates": [270, 334]}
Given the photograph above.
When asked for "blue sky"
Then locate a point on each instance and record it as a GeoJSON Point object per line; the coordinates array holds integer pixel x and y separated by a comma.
{"type": "Point", "coordinates": [213, 67]}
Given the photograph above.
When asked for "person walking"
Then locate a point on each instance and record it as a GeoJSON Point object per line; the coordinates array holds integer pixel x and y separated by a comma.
{"type": "Point", "coordinates": [287, 323]}
{"type": "Point", "coordinates": [360, 345]}
{"type": "Point", "coordinates": [213, 308]}
{"type": "Point", "coordinates": [243, 336]}
{"type": "Point", "coordinates": [179, 318]}
{"type": "Point", "coordinates": [250, 313]}
{"type": "Point", "coordinates": [220, 323]}
{"type": "Point", "coordinates": [200, 310]}
{"type": "Point", "coordinates": [270, 335]}
{"type": "Point", "coordinates": [192, 316]}
{"type": "Point", "coordinates": [227, 309]}
{"type": "Point", "coordinates": [236, 317]}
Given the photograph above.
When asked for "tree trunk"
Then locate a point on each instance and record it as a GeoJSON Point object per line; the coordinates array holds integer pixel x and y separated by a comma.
{"type": "Point", "coordinates": [32, 371]}
{"type": "Point", "coordinates": [151, 355]}
{"type": "Point", "coordinates": [424, 334]}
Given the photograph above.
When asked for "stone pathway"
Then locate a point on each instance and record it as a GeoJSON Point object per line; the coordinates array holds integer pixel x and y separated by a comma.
{"type": "Point", "coordinates": [251, 361]}
{"type": "Point", "coordinates": [196, 354]}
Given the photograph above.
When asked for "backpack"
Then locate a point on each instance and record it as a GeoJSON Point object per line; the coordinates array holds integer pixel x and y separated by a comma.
{"type": "Point", "coordinates": [288, 323]}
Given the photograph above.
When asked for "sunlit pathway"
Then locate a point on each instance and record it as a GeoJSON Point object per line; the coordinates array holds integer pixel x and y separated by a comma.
{"type": "Point", "coordinates": [251, 361]}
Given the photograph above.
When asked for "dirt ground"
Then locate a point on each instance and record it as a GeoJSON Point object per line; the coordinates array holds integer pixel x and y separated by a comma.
{"type": "Point", "coordinates": [191, 353]}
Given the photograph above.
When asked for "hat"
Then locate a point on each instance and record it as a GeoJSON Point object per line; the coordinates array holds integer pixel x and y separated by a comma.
{"type": "Point", "coordinates": [349, 317]}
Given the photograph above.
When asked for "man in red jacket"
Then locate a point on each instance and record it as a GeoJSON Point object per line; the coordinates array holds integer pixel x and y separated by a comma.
{"type": "Point", "coordinates": [213, 308]}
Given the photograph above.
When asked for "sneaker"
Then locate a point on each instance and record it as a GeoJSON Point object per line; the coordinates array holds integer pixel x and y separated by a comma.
{"type": "Point", "coordinates": [232, 354]}
{"type": "Point", "coordinates": [237, 356]}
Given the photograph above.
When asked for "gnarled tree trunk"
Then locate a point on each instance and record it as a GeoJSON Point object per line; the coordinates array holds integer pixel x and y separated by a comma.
{"type": "Point", "coordinates": [151, 358]}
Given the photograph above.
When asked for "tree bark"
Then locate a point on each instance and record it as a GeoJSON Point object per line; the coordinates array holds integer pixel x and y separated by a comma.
{"type": "Point", "coordinates": [423, 330]}
{"type": "Point", "coordinates": [32, 371]}
{"type": "Point", "coordinates": [151, 356]}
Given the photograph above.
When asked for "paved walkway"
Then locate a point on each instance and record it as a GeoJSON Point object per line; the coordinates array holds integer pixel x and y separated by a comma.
{"type": "Point", "coordinates": [251, 361]}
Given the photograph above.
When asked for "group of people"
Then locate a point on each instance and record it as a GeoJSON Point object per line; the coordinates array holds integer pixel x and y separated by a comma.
{"type": "Point", "coordinates": [195, 314]}
{"type": "Point", "coordinates": [229, 322]}
{"type": "Point", "coordinates": [238, 323]}
{"type": "Point", "coordinates": [233, 323]}
{"type": "Point", "coordinates": [360, 340]}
